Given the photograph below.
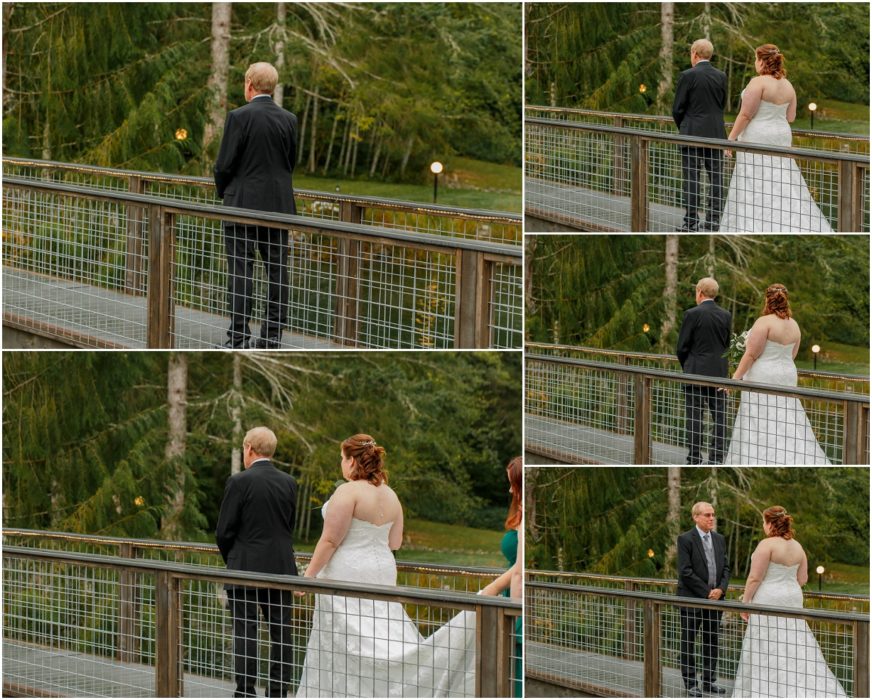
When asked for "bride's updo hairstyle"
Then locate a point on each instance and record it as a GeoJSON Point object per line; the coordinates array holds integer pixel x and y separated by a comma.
{"type": "Point", "coordinates": [772, 60]}
{"type": "Point", "coordinates": [776, 301]}
{"type": "Point", "coordinates": [369, 459]}
{"type": "Point", "coordinates": [780, 523]}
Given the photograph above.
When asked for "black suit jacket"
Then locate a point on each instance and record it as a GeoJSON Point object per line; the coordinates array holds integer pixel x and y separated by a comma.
{"type": "Point", "coordinates": [257, 156]}
{"type": "Point", "coordinates": [703, 340]}
{"type": "Point", "coordinates": [692, 567]}
{"type": "Point", "coordinates": [700, 96]}
{"type": "Point", "coordinates": [256, 522]}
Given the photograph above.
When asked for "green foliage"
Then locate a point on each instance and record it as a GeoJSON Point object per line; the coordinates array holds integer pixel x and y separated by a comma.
{"type": "Point", "coordinates": [394, 84]}
{"type": "Point", "coordinates": [607, 520]}
{"type": "Point", "coordinates": [596, 55]}
{"type": "Point", "coordinates": [85, 433]}
{"type": "Point", "coordinates": [600, 290]}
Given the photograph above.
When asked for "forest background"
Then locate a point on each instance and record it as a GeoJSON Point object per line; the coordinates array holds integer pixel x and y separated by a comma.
{"type": "Point", "coordinates": [380, 89]}
{"type": "Point", "coordinates": [630, 292]}
{"type": "Point", "coordinates": [626, 57]}
{"type": "Point", "coordinates": [626, 521]}
{"type": "Point", "coordinates": [141, 444]}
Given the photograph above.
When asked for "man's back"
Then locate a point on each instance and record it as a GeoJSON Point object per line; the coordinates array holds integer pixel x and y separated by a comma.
{"type": "Point", "coordinates": [256, 523]}
{"type": "Point", "coordinates": [703, 339]}
{"type": "Point", "coordinates": [700, 97]}
{"type": "Point", "coordinates": [256, 161]}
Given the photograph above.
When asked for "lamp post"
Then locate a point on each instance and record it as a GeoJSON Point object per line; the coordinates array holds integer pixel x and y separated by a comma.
{"type": "Point", "coordinates": [815, 349]}
{"type": "Point", "coordinates": [820, 572]}
{"type": "Point", "coordinates": [435, 168]}
{"type": "Point", "coordinates": [812, 108]}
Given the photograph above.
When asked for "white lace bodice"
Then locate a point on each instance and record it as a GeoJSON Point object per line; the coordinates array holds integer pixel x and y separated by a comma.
{"type": "Point", "coordinates": [769, 125]}
{"type": "Point", "coordinates": [363, 556]}
{"type": "Point", "coordinates": [779, 587]}
{"type": "Point", "coordinates": [774, 366]}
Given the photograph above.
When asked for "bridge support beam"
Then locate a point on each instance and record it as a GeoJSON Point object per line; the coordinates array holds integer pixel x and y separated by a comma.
{"type": "Point", "coordinates": [861, 659]}
{"type": "Point", "coordinates": [161, 250]}
{"type": "Point", "coordinates": [472, 298]}
{"type": "Point", "coordinates": [638, 184]}
{"type": "Point", "coordinates": [642, 420]}
{"type": "Point", "coordinates": [168, 674]}
{"type": "Point", "coordinates": [850, 210]}
{"type": "Point", "coordinates": [652, 669]}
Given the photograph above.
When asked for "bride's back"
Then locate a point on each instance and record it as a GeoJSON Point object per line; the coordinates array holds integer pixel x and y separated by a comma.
{"type": "Point", "coordinates": [784, 331]}
{"type": "Point", "coordinates": [785, 552]}
{"type": "Point", "coordinates": [776, 91]}
{"type": "Point", "coordinates": [374, 504]}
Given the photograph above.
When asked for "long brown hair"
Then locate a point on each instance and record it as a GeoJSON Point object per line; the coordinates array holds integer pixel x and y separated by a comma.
{"type": "Point", "coordinates": [369, 462]}
{"type": "Point", "coordinates": [516, 481]}
{"type": "Point", "coordinates": [776, 301]}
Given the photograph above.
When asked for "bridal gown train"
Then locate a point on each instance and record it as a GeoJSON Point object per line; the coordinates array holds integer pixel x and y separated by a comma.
{"type": "Point", "coordinates": [771, 429]}
{"type": "Point", "coordinates": [768, 193]}
{"type": "Point", "coordinates": [370, 648]}
{"type": "Point", "coordinates": [780, 655]}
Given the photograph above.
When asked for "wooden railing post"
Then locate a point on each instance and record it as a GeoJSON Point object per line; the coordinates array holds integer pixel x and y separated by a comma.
{"type": "Point", "coordinates": [128, 639]}
{"type": "Point", "coordinates": [630, 623]}
{"type": "Point", "coordinates": [848, 193]}
{"type": "Point", "coordinates": [161, 249]}
{"type": "Point", "coordinates": [134, 281]}
{"type": "Point", "coordinates": [347, 278]}
{"type": "Point", "coordinates": [853, 440]}
{"type": "Point", "coordinates": [642, 420]}
{"type": "Point", "coordinates": [472, 296]}
{"type": "Point", "coordinates": [622, 410]}
{"type": "Point", "coordinates": [168, 672]}
{"type": "Point", "coordinates": [652, 649]}
{"type": "Point", "coordinates": [861, 659]}
{"type": "Point", "coordinates": [638, 183]}
{"type": "Point", "coordinates": [620, 167]}
{"type": "Point", "coordinates": [488, 648]}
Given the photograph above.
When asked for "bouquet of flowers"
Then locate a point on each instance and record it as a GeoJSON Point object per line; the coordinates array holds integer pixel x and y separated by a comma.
{"type": "Point", "coordinates": [736, 348]}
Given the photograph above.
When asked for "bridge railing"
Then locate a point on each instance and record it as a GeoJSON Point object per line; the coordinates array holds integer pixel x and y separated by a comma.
{"type": "Point", "coordinates": [66, 633]}
{"type": "Point", "coordinates": [478, 224]}
{"type": "Point", "coordinates": [469, 579]}
{"type": "Point", "coordinates": [104, 268]}
{"type": "Point", "coordinates": [808, 378]}
{"type": "Point", "coordinates": [578, 637]}
{"type": "Point", "coordinates": [802, 138]}
{"type": "Point", "coordinates": [583, 411]}
{"type": "Point", "coordinates": [595, 177]}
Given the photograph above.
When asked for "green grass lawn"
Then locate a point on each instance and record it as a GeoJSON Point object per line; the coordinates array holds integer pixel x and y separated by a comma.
{"type": "Point", "coordinates": [437, 543]}
{"type": "Point", "coordinates": [468, 183]}
{"type": "Point", "coordinates": [837, 357]}
{"type": "Point", "coordinates": [840, 578]}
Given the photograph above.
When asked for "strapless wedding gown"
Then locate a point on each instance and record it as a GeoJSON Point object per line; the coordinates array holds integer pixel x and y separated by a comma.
{"type": "Point", "coordinates": [370, 648]}
{"type": "Point", "coordinates": [780, 655]}
{"type": "Point", "coordinates": [771, 429]}
{"type": "Point", "coordinates": [769, 193]}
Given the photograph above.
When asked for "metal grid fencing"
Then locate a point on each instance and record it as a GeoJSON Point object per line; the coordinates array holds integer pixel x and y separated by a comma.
{"type": "Point", "coordinates": [596, 177]}
{"type": "Point", "coordinates": [620, 643]}
{"type": "Point", "coordinates": [100, 269]}
{"type": "Point", "coordinates": [499, 227]}
{"type": "Point", "coordinates": [79, 624]}
{"type": "Point", "coordinates": [803, 138]}
{"type": "Point", "coordinates": [581, 411]}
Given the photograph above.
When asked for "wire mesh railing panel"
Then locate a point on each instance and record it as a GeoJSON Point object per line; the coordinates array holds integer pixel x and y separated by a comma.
{"type": "Point", "coordinates": [578, 177]}
{"type": "Point", "coordinates": [65, 630]}
{"type": "Point", "coordinates": [76, 267]}
{"type": "Point", "coordinates": [585, 415]}
{"type": "Point", "coordinates": [505, 319]}
{"type": "Point", "coordinates": [593, 643]}
{"type": "Point", "coordinates": [482, 229]}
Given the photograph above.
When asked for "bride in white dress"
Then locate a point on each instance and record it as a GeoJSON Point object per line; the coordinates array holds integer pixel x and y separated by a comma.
{"type": "Point", "coordinates": [368, 648]}
{"type": "Point", "coordinates": [768, 193]}
{"type": "Point", "coordinates": [780, 655]}
{"type": "Point", "coordinates": [772, 429]}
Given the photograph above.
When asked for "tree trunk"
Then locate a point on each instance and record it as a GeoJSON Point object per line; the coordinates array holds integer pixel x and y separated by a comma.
{"type": "Point", "coordinates": [177, 433]}
{"type": "Point", "coordinates": [355, 144]}
{"type": "Point", "coordinates": [670, 290]}
{"type": "Point", "coordinates": [217, 83]}
{"type": "Point", "coordinates": [236, 415]}
{"type": "Point", "coordinates": [332, 139]}
{"type": "Point", "coordinates": [302, 140]}
{"type": "Point", "coordinates": [707, 20]}
{"type": "Point", "coordinates": [378, 145]}
{"type": "Point", "coordinates": [8, 8]}
{"type": "Point", "coordinates": [46, 140]}
{"type": "Point", "coordinates": [664, 88]}
{"type": "Point", "coordinates": [407, 155]}
{"type": "Point", "coordinates": [710, 262]}
{"type": "Point", "coordinates": [673, 516]}
{"type": "Point", "coordinates": [343, 149]}
{"type": "Point", "coordinates": [279, 50]}
{"type": "Point", "coordinates": [313, 132]}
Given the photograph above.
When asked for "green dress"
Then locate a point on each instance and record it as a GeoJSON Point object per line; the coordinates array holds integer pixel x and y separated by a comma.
{"type": "Point", "coordinates": [509, 548]}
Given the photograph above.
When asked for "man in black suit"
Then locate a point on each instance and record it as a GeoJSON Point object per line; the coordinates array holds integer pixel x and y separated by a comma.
{"type": "Point", "coordinates": [702, 342]}
{"type": "Point", "coordinates": [254, 171]}
{"type": "Point", "coordinates": [703, 572]}
{"type": "Point", "coordinates": [255, 533]}
{"type": "Point", "coordinates": [698, 110]}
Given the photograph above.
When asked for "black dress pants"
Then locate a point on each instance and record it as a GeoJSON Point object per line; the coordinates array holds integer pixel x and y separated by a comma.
{"type": "Point", "coordinates": [696, 398]}
{"type": "Point", "coordinates": [241, 242]}
{"type": "Point", "coordinates": [276, 609]}
{"type": "Point", "coordinates": [692, 620]}
{"type": "Point", "coordinates": [693, 160]}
